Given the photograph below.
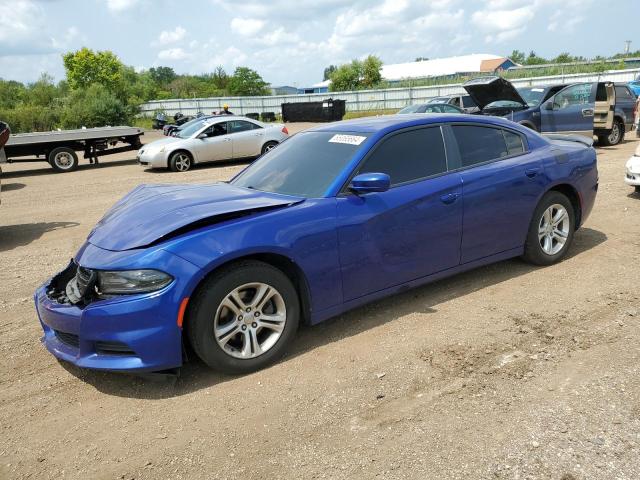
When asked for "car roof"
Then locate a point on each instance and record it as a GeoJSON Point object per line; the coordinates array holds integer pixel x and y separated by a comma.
{"type": "Point", "coordinates": [386, 123]}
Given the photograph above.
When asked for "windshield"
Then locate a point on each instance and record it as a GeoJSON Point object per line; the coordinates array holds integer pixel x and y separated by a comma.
{"type": "Point", "coordinates": [188, 130]}
{"type": "Point", "coordinates": [532, 95]}
{"type": "Point", "coordinates": [305, 164]}
{"type": "Point", "coordinates": [504, 104]}
{"type": "Point", "coordinates": [410, 109]}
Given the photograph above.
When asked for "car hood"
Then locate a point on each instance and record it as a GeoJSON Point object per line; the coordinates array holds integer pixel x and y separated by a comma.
{"type": "Point", "coordinates": [153, 213]}
{"type": "Point", "coordinates": [484, 90]}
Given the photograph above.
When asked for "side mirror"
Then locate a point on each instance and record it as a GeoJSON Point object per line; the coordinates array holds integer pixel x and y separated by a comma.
{"type": "Point", "coordinates": [548, 105]}
{"type": "Point", "coordinates": [370, 182]}
{"type": "Point", "coordinates": [202, 136]}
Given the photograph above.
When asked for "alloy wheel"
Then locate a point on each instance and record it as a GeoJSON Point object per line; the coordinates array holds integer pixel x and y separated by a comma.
{"type": "Point", "coordinates": [250, 320]}
{"type": "Point", "coordinates": [183, 162]}
{"type": "Point", "coordinates": [614, 136]}
{"type": "Point", "coordinates": [553, 229]}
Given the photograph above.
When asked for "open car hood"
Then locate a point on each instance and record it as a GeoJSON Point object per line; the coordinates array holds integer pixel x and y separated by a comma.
{"type": "Point", "coordinates": [485, 90]}
{"type": "Point", "coordinates": [153, 213]}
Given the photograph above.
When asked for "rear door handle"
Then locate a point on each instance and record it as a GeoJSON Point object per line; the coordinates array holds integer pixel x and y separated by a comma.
{"type": "Point", "coordinates": [449, 198]}
{"type": "Point", "coordinates": [587, 112]}
{"type": "Point", "coordinates": [531, 172]}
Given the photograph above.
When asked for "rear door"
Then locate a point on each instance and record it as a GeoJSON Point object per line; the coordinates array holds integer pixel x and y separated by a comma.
{"type": "Point", "coordinates": [501, 185]}
{"type": "Point", "coordinates": [411, 230]}
{"type": "Point", "coordinates": [247, 138]}
{"type": "Point", "coordinates": [570, 111]}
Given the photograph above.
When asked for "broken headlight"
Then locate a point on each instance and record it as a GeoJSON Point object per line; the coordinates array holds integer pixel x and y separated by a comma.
{"type": "Point", "coordinates": [126, 282]}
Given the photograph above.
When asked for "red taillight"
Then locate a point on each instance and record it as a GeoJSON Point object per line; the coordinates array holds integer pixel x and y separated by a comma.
{"type": "Point", "coordinates": [285, 131]}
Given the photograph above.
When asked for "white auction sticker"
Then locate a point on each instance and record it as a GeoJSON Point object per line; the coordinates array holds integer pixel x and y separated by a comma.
{"type": "Point", "coordinates": [349, 139]}
{"type": "Point", "coordinates": [537, 89]}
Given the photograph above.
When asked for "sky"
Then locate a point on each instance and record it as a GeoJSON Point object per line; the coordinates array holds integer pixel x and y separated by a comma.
{"type": "Point", "coordinates": [291, 42]}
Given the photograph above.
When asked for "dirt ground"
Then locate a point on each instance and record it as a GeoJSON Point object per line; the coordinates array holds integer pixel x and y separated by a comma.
{"type": "Point", "coordinates": [506, 372]}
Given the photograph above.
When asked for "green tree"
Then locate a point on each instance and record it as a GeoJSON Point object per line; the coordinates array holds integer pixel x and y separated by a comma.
{"type": "Point", "coordinates": [328, 71]}
{"type": "Point", "coordinates": [86, 67]}
{"type": "Point", "coordinates": [162, 76]}
{"type": "Point", "coordinates": [94, 106]}
{"type": "Point", "coordinates": [534, 59]}
{"type": "Point", "coordinates": [564, 57]}
{"type": "Point", "coordinates": [518, 57]}
{"type": "Point", "coordinates": [357, 75]}
{"type": "Point", "coordinates": [220, 78]}
{"type": "Point", "coordinates": [246, 82]}
{"type": "Point", "coordinates": [371, 76]}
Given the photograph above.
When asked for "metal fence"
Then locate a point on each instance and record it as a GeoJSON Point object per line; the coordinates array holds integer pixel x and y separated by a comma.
{"type": "Point", "coordinates": [385, 99]}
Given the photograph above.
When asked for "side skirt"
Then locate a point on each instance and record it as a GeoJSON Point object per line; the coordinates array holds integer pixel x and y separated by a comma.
{"type": "Point", "coordinates": [317, 317]}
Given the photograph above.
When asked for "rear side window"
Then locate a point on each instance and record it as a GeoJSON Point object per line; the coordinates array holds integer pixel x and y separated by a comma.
{"type": "Point", "coordinates": [467, 101]}
{"type": "Point", "coordinates": [236, 126]}
{"type": "Point", "coordinates": [479, 144]}
{"type": "Point", "coordinates": [622, 93]}
{"type": "Point", "coordinates": [514, 142]}
{"type": "Point", "coordinates": [409, 156]}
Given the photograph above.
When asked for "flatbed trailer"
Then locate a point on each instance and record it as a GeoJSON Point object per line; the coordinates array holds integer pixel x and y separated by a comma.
{"type": "Point", "coordinates": [59, 147]}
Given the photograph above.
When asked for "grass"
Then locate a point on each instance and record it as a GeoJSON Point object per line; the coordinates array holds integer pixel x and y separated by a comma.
{"type": "Point", "coordinates": [369, 113]}
{"type": "Point", "coordinates": [143, 122]}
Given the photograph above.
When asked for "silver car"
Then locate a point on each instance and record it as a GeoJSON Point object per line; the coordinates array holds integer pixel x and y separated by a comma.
{"type": "Point", "coordinates": [218, 138]}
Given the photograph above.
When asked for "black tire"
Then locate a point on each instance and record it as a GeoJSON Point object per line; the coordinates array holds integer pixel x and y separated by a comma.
{"type": "Point", "coordinates": [63, 159]}
{"type": "Point", "coordinates": [614, 137]}
{"type": "Point", "coordinates": [205, 304]}
{"type": "Point", "coordinates": [269, 146]}
{"type": "Point", "coordinates": [533, 250]}
{"type": "Point", "coordinates": [180, 161]}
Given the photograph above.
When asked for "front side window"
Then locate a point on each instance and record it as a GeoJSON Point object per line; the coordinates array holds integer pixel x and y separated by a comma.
{"type": "Point", "coordinates": [216, 130]}
{"type": "Point", "coordinates": [622, 93]}
{"type": "Point", "coordinates": [409, 156]}
{"type": "Point", "coordinates": [574, 95]}
{"type": "Point", "coordinates": [479, 144]}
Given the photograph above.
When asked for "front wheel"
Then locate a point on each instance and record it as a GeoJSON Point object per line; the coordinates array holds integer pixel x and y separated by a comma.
{"type": "Point", "coordinates": [180, 162]}
{"type": "Point", "coordinates": [551, 230]}
{"type": "Point", "coordinates": [244, 317]}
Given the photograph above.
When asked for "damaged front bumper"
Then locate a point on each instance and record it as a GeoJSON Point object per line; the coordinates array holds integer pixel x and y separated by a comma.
{"type": "Point", "coordinates": [124, 333]}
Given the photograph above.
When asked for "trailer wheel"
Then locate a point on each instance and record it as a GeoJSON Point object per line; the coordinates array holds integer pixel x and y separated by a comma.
{"type": "Point", "coordinates": [63, 159]}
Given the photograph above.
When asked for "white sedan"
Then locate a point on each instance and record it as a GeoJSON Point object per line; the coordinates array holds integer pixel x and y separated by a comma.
{"type": "Point", "coordinates": [218, 138]}
{"type": "Point", "coordinates": [632, 176]}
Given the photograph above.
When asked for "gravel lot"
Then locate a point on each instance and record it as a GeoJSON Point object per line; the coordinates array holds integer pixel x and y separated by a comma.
{"type": "Point", "coordinates": [505, 372]}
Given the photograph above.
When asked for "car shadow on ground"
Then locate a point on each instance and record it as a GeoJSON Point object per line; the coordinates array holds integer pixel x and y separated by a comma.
{"type": "Point", "coordinates": [204, 166]}
{"type": "Point", "coordinates": [8, 187]}
{"type": "Point", "coordinates": [195, 376]}
{"type": "Point", "coordinates": [12, 236]}
{"type": "Point", "coordinates": [47, 170]}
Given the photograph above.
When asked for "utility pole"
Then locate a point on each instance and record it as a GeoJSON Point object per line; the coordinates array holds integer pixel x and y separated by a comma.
{"type": "Point", "coordinates": [627, 46]}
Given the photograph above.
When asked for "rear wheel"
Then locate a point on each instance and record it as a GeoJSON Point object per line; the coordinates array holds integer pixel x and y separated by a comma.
{"type": "Point", "coordinates": [551, 230]}
{"type": "Point", "coordinates": [614, 137]}
{"type": "Point", "coordinates": [244, 317]}
{"type": "Point", "coordinates": [63, 159]}
{"type": "Point", "coordinates": [180, 162]}
{"type": "Point", "coordinates": [269, 146]}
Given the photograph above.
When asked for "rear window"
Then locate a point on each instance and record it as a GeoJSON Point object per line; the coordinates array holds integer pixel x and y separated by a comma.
{"type": "Point", "coordinates": [479, 144]}
{"type": "Point", "coordinates": [409, 156]}
{"type": "Point", "coordinates": [514, 142]}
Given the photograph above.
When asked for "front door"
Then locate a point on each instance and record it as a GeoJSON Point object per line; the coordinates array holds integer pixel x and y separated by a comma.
{"type": "Point", "coordinates": [411, 230]}
{"type": "Point", "coordinates": [213, 144]}
{"type": "Point", "coordinates": [570, 111]}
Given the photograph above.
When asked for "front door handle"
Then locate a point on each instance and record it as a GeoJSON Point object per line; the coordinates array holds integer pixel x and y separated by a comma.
{"type": "Point", "coordinates": [449, 198]}
{"type": "Point", "coordinates": [531, 172]}
{"type": "Point", "coordinates": [587, 112]}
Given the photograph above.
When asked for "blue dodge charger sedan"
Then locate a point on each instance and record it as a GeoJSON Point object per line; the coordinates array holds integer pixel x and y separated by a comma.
{"type": "Point", "coordinates": [334, 217]}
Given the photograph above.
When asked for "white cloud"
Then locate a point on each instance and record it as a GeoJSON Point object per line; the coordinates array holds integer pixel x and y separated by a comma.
{"type": "Point", "coordinates": [121, 5]}
{"type": "Point", "coordinates": [246, 26]}
{"type": "Point", "coordinates": [173, 54]}
{"type": "Point", "coordinates": [501, 25]}
{"type": "Point", "coordinates": [167, 37]}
